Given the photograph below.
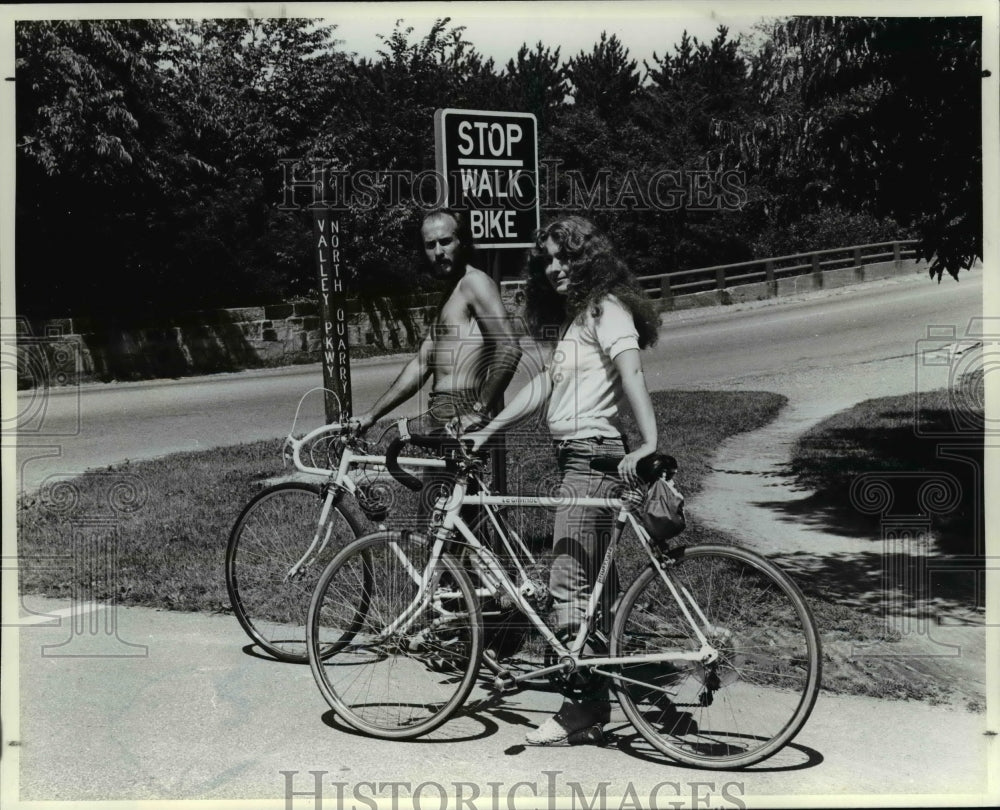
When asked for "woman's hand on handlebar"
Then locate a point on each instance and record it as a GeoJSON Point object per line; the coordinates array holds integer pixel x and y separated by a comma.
{"type": "Point", "coordinates": [628, 466]}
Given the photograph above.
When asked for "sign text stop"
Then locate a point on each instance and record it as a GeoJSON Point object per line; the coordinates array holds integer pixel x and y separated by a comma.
{"type": "Point", "coordinates": [488, 163]}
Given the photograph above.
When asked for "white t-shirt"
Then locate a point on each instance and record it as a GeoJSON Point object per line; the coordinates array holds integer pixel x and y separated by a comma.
{"type": "Point", "coordinates": [586, 385]}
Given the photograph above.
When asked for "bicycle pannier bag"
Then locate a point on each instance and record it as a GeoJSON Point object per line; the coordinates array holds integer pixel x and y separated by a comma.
{"type": "Point", "coordinates": [663, 510]}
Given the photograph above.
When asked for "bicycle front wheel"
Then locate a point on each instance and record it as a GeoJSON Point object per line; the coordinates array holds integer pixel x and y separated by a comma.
{"type": "Point", "coordinates": [406, 636]}
{"type": "Point", "coordinates": [749, 702]}
{"type": "Point", "coordinates": [269, 579]}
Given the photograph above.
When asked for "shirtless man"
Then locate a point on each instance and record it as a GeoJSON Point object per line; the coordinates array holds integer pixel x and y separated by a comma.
{"type": "Point", "coordinates": [470, 352]}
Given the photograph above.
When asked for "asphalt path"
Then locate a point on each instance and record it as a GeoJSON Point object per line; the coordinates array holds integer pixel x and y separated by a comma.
{"type": "Point", "coordinates": [193, 714]}
{"type": "Point", "coordinates": [189, 712]}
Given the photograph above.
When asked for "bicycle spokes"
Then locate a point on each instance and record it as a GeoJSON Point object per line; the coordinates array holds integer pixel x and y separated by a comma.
{"type": "Point", "coordinates": [738, 655]}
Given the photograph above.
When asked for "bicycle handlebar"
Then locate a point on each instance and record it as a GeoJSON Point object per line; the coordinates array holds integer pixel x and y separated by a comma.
{"type": "Point", "coordinates": [438, 444]}
{"type": "Point", "coordinates": [397, 472]}
{"type": "Point", "coordinates": [649, 468]}
{"type": "Point", "coordinates": [293, 446]}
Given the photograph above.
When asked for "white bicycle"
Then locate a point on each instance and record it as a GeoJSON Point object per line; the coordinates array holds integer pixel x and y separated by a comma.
{"type": "Point", "coordinates": [713, 653]}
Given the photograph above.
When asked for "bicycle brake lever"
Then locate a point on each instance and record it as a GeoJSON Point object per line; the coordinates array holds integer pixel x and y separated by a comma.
{"type": "Point", "coordinates": [287, 452]}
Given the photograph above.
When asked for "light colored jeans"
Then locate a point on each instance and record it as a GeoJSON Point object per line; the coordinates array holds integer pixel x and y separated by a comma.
{"type": "Point", "coordinates": [582, 534]}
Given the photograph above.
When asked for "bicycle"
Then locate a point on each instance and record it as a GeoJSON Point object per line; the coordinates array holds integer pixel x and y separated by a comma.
{"type": "Point", "coordinates": [713, 656]}
{"type": "Point", "coordinates": [288, 532]}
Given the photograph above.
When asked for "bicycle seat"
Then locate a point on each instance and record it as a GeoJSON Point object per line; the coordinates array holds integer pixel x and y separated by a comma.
{"type": "Point", "coordinates": [650, 468]}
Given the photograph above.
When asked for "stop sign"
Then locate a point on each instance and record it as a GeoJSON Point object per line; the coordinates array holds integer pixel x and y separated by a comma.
{"type": "Point", "coordinates": [487, 162]}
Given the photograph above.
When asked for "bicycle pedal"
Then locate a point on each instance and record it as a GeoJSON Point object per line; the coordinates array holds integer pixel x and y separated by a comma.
{"type": "Point", "coordinates": [592, 735]}
{"type": "Point", "coordinates": [504, 682]}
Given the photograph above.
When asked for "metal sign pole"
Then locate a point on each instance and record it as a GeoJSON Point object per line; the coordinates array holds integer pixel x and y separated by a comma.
{"type": "Point", "coordinates": [336, 356]}
{"type": "Point", "coordinates": [498, 455]}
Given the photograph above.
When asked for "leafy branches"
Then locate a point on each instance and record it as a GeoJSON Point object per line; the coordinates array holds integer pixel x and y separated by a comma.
{"type": "Point", "coordinates": [873, 108]}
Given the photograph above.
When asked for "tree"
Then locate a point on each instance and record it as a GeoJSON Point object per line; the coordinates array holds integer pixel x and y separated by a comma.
{"type": "Point", "coordinates": [884, 114]}
{"type": "Point", "coordinates": [248, 94]}
{"type": "Point", "coordinates": [605, 79]}
{"type": "Point", "coordinates": [536, 83]}
{"type": "Point", "coordinates": [148, 160]}
{"type": "Point", "coordinates": [84, 91]}
{"type": "Point", "coordinates": [382, 122]}
{"type": "Point", "coordinates": [91, 160]}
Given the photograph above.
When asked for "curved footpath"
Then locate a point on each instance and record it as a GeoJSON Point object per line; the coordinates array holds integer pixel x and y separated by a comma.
{"type": "Point", "coordinates": [752, 495]}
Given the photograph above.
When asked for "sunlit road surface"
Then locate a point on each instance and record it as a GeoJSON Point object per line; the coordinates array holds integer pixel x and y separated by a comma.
{"type": "Point", "coordinates": [73, 429]}
{"type": "Point", "coordinates": [189, 712]}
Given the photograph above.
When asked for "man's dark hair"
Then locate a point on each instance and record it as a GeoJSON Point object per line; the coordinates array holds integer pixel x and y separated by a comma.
{"type": "Point", "coordinates": [595, 271]}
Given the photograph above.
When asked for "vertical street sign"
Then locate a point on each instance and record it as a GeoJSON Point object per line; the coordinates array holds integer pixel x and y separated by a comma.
{"type": "Point", "coordinates": [332, 316]}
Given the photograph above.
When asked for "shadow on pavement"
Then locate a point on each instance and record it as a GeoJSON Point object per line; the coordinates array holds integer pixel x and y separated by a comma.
{"type": "Point", "coordinates": [254, 652]}
{"type": "Point", "coordinates": [461, 727]}
{"type": "Point", "coordinates": [793, 757]}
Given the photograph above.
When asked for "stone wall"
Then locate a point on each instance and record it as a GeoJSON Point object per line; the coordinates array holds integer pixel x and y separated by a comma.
{"type": "Point", "coordinates": [70, 350]}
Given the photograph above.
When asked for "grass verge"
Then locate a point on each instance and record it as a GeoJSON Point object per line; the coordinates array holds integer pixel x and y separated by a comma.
{"type": "Point", "coordinates": [173, 515]}
{"type": "Point", "coordinates": [912, 467]}
{"type": "Point", "coordinates": [900, 441]}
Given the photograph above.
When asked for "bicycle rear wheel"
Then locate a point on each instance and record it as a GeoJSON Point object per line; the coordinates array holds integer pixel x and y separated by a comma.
{"type": "Point", "coordinates": [406, 659]}
{"type": "Point", "coordinates": [268, 539]}
{"type": "Point", "coordinates": [756, 696]}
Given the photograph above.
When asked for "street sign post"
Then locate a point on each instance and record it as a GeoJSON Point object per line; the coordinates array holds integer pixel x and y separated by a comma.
{"type": "Point", "coordinates": [487, 165]}
{"type": "Point", "coordinates": [335, 349]}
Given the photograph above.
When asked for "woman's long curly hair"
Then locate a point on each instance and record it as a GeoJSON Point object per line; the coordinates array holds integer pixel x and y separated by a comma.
{"type": "Point", "coordinates": [595, 271]}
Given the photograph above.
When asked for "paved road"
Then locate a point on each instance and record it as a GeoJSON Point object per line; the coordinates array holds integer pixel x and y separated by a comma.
{"type": "Point", "coordinates": [190, 713]}
{"type": "Point", "coordinates": [100, 424]}
{"type": "Point", "coordinates": [195, 716]}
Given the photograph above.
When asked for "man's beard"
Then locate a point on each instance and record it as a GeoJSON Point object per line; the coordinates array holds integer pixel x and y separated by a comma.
{"type": "Point", "coordinates": [447, 270]}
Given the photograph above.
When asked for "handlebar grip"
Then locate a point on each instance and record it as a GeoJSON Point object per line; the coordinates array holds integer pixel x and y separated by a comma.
{"type": "Point", "coordinates": [649, 468]}
{"type": "Point", "coordinates": [397, 472]}
{"type": "Point", "coordinates": [441, 444]}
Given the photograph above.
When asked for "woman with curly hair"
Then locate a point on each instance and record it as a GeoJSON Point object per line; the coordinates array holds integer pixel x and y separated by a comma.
{"type": "Point", "coordinates": [581, 293]}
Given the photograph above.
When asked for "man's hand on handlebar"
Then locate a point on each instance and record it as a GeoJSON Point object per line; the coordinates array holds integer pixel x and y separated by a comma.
{"type": "Point", "coordinates": [359, 424]}
{"type": "Point", "coordinates": [473, 442]}
{"type": "Point", "coordinates": [465, 423]}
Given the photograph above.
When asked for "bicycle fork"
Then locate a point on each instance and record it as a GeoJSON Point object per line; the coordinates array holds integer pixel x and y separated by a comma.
{"type": "Point", "coordinates": [324, 529]}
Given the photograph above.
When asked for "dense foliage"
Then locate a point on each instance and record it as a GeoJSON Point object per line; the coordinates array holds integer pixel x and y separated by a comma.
{"type": "Point", "coordinates": [152, 155]}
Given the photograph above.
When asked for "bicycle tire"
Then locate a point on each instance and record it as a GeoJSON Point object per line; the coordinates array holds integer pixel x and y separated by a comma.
{"type": "Point", "coordinates": [271, 534]}
{"type": "Point", "coordinates": [404, 685]}
{"type": "Point", "coordinates": [756, 697]}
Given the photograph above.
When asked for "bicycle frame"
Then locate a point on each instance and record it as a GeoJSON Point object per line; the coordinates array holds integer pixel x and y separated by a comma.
{"type": "Point", "coordinates": [341, 481]}
{"type": "Point", "coordinates": [338, 482]}
{"type": "Point", "coordinates": [448, 517]}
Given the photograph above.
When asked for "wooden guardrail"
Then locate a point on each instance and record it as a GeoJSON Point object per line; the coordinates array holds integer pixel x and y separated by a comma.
{"type": "Point", "coordinates": [664, 286]}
